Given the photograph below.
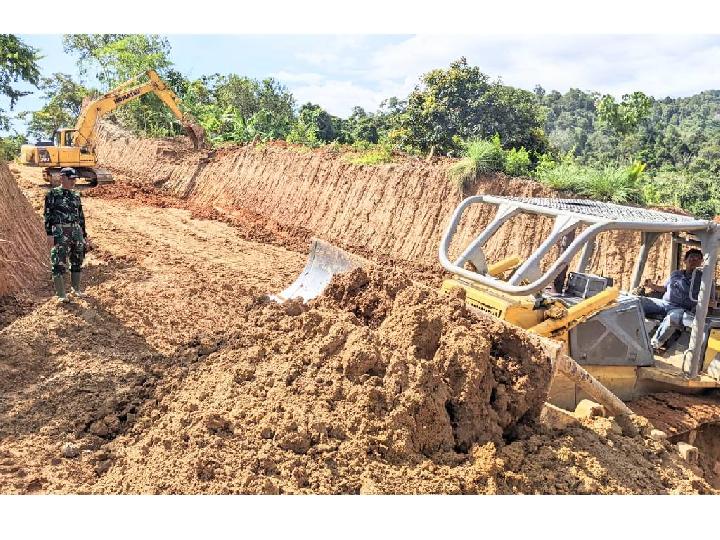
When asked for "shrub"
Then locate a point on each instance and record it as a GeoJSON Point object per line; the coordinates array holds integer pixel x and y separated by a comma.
{"type": "Point", "coordinates": [304, 134]}
{"type": "Point", "coordinates": [517, 162]}
{"type": "Point", "coordinates": [488, 155]}
{"type": "Point", "coordinates": [698, 194]}
{"type": "Point", "coordinates": [616, 184]}
{"type": "Point", "coordinates": [375, 155]}
{"type": "Point", "coordinates": [10, 147]}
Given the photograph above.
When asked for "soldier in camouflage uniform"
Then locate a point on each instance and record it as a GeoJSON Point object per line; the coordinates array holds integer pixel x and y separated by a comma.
{"type": "Point", "coordinates": [65, 228]}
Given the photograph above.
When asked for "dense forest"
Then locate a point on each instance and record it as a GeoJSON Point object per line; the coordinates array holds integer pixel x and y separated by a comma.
{"type": "Point", "coordinates": [634, 150]}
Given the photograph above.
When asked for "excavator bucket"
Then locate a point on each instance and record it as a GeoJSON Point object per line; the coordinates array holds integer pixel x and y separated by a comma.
{"type": "Point", "coordinates": [196, 133]}
{"type": "Point", "coordinates": [324, 261]}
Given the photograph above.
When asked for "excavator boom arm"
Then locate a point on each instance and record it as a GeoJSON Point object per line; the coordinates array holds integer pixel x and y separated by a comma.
{"type": "Point", "coordinates": [125, 93]}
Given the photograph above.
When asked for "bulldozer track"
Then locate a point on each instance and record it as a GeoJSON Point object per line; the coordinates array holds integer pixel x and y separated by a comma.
{"type": "Point", "coordinates": [678, 414]}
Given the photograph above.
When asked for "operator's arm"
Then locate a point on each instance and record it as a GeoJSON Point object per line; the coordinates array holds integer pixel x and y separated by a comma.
{"type": "Point", "coordinates": [653, 287]}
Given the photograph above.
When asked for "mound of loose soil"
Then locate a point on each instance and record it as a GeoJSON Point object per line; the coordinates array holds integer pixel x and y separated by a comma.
{"type": "Point", "coordinates": [316, 395]}
{"type": "Point", "coordinates": [379, 386]}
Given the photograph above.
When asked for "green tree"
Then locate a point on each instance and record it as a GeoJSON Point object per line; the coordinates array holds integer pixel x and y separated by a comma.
{"type": "Point", "coordinates": [232, 108]}
{"type": "Point", "coordinates": [10, 146]}
{"type": "Point", "coordinates": [276, 99]}
{"type": "Point", "coordinates": [697, 193]}
{"type": "Point", "coordinates": [624, 117]}
{"type": "Point", "coordinates": [64, 99]}
{"type": "Point", "coordinates": [461, 103]}
{"type": "Point", "coordinates": [87, 47]}
{"type": "Point", "coordinates": [360, 127]}
{"type": "Point", "coordinates": [570, 119]}
{"type": "Point", "coordinates": [314, 126]}
{"type": "Point", "coordinates": [116, 58]}
{"type": "Point", "coordinates": [266, 105]}
{"type": "Point", "coordinates": [18, 62]}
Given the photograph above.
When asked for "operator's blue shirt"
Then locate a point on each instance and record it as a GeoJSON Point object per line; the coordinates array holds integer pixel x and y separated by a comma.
{"type": "Point", "coordinates": [677, 289]}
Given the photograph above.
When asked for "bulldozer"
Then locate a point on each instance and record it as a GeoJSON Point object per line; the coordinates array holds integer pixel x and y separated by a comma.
{"type": "Point", "coordinates": [76, 147]}
{"type": "Point", "coordinates": [602, 328]}
{"type": "Point", "coordinates": [601, 334]}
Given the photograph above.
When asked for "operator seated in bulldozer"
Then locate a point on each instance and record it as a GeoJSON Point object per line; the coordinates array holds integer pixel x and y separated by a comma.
{"type": "Point", "coordinates": [676, 308]}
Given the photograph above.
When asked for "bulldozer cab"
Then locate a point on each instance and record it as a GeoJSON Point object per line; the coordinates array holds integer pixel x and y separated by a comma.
{"type": "Point", "coordinates": [600, 325]}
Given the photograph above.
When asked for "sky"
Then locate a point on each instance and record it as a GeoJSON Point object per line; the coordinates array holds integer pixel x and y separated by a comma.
{"type": "Point", "coordinates": [339, 72]}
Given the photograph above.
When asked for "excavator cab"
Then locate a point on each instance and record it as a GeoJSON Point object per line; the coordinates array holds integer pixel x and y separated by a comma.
{"type": "Point", "coordinates": [64, 151]}
{"type": "Point", "coordinates": [601, 327]}
{"type": "Point", "coordinates": [64, 137]}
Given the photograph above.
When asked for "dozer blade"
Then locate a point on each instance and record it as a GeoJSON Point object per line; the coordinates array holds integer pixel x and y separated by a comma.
{"type": "Point", "coordinates": [324, 261]}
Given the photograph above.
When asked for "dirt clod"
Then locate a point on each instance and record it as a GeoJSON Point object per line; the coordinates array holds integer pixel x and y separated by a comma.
{"type": "Point", "coordinates": [69, 450]}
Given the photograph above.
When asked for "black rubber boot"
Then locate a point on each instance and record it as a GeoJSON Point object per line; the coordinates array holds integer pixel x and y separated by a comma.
{"type": "Point", "coordinates": [59, 283]}
{"type": "Point", "coordinates": [75, 279]}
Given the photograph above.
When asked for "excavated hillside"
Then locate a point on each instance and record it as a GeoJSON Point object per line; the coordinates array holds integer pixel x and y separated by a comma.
{"type": "Point", "coordinates": [397, 211]}
{"type": "Point", "coordinates": [22, 238]}
{"type": "Point", "coordinates": [176, 374]}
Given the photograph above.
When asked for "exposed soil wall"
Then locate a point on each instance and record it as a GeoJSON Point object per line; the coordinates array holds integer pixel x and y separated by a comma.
{"type": "Point", "coordinates": [397, 210]}
{"type": "Point", "coordinates": [22, 239]}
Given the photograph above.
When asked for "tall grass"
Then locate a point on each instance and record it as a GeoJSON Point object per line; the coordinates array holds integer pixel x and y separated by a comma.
{"type": "Point", "coordinates": [375, 154]}
{"type": "Point", "coordinates": [517, 162]}
{"type": "Point", "coordinates": [616, 184]}
{"type": "Point", "coordinates": [481, 156]}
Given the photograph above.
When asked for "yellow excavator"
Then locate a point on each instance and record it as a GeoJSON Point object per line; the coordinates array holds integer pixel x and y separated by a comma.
{"type": "Point", "coordinates": [76, 147]}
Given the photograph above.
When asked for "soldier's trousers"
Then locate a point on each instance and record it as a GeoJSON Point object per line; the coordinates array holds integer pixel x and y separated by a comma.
{"type": "Point", "coordinates": [69, 243]}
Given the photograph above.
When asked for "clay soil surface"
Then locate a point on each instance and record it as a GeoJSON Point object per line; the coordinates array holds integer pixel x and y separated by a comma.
{"type": "Point", "coordinates": [176, 375]}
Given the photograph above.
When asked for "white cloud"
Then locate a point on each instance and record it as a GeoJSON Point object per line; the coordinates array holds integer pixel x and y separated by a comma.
{"type": "Point", "coordinates": [305, 78]}
{"type": "Point", "coordinates": [658, 65]}
{"type": "Point", "coordinates": [317, 57]}
{"type": "Point", "coordinates": [417, 55]}
{"type": "Point", "coordinates": [351, 71]}
{"type": "Point", "coordinates": [337, 53]}
{"type": "Point", "coordinates": [339, 97]}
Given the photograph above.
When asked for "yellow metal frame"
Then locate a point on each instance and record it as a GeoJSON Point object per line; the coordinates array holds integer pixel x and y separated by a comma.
{"type": "Point", "coordinates": [518, 310]}
{"type": "Point", "coordinates": [713, 347]}
{"type": "Point", "coordinates": [578, 312]}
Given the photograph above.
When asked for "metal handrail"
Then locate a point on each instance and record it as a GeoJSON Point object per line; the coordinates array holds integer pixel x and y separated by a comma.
{"type": "Point", "coordinates": [596, 226]}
